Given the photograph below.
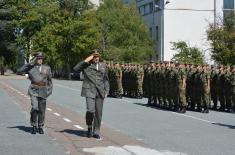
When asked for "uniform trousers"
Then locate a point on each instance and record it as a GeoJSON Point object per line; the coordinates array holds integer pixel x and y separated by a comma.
{"type": "Point", "coordinates": [37, 114]}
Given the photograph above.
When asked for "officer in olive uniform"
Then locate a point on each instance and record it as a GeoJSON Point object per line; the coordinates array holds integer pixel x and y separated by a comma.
{"type": "Point", "coordinates": [95, 88]}
{"type": "Point", "coordinates": [39, 89]}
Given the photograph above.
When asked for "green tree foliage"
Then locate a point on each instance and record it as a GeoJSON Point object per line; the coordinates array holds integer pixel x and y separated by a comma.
{"type": "Point", "coordinates": [187, 54]}
{"type": "Point", "coordinates": [7, 48]}
{"type": "Point", "coordinates": [67, 30]}
{"type": "Point", "coordinates": [124, 34]}
{"type": "Point", "coordinates": [222, 37]}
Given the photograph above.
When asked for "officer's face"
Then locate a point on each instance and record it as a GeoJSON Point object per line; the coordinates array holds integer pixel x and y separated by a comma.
{"type": "Point", "coordinates": [39, 61]}
{"type": "Point", "coordinates": [96, 59]}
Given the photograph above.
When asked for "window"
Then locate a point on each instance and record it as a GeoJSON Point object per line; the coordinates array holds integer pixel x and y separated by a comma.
{"type": "Point", "coordinates": [141, 10]}
{"type": "Point", "coordinates": [228, 4]}
{"type": "Point", "coordinates": [146, 9]}
{"type": "Point", "coordinates": [157, 31]}
{"type": "Point", "coordinates": [150, 32]}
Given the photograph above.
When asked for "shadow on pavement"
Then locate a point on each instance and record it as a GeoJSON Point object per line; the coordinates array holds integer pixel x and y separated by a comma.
{"type": "Point", "coordinates": [22, 128]}
{"type": "Point", "coordinates": [225, 125]}
{"type": "Point", "coordinates": [151, 106]}
{"type": "Point", "coordinates": [80, 133]}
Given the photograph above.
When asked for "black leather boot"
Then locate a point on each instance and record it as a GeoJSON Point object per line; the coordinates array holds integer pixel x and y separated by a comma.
{"type": "Point", "coordinates": [89, 132]}
{"type": "Point", "coordinates": [40, 130]}
{"type": "Point", "coordinates": [34, 130]}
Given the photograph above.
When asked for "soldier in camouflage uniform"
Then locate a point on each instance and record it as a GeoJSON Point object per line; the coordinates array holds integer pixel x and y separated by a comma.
{"type": "Point", "coordinates": [232, 89]}
{"type": "Point", "coordinates": [227, 87]}
{"type": "Point", "coordinates": [205, 89]}
{"type": "Point", "coordinates": [118, 81]}
{"type": "Point", "coordinates": [150, 83]}
{"type": "Point", "coordinates": [181, 86]}
{"type": "Point", "coordinates": [221, 88]}
{"type": "Point", "coordinates": [140, 78]}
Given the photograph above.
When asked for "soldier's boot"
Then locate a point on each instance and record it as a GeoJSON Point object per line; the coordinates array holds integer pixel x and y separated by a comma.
{"type": "Point", "coordinates": [89, 132]}
{"type": "Point", "coordinates": [183, 110]}
{"type": "Point", "coordinates": [222, 108]}
{"type": "Point", "coordinates": [206, 110]}
{"type": "Point", "coordinates": [40, 130]}
{"type": "Point", "coordinates": [214, 107]}
{"type": "Point", "coordinates": [149, 101]}
{"type": "Point", "coordinates": [34, 130]}
{"type": "Point", "coordinates": [199, 109]}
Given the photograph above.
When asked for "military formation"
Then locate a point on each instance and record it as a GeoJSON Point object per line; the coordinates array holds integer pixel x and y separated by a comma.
{"type": "Point", "coordinates": [176, 86]}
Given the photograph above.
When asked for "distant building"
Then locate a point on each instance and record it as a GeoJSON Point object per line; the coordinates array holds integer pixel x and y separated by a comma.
{"type": "Point", "coordinates": [95, 2]}
{"type": "Point", "coordinates": [181, 20]}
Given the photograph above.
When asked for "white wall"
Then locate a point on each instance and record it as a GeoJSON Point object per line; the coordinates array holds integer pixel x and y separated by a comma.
{"type": "Point", "coordinates": [188, 25]}
{"type": "Point", "coordinates": [95, 2]}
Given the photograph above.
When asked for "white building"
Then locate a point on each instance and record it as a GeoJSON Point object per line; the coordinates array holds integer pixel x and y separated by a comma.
{"type": "Point", "coordinates": [181, 20]}
{"type": "Point", "coordinates": [95, 2]}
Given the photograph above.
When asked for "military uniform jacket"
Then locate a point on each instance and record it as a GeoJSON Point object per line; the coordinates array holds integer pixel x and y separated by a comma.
{"type": "Point", "coordinates": [95, 81]}
{"type": "Point", "coordinates": [41, 79]}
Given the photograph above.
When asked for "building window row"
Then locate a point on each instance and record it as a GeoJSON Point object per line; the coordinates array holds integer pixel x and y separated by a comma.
{"type": "Point", "coordinates": [146, 9]}
{"type": "Point", "coordinates": [156, 36]}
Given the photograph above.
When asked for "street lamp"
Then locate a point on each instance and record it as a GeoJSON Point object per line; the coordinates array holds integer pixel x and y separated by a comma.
{"type": "Point", "coordinates": [161, 8]}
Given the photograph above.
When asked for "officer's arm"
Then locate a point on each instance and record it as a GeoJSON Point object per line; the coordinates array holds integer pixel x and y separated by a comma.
{"type": "Point", "coordinates": [80, 66]}
{"type": "Point", "coordinates": [106, 82]}
{"type": "Point", "coordinates": [50, 84]}
{"type": "Point", "coordinates": [25, 68]}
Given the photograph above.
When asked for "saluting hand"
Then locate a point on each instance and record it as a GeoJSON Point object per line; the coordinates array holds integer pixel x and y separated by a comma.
{"type": "Point", "coordinates": [88, 59]}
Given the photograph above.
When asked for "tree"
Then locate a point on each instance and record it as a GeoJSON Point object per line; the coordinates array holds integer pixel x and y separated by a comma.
{"type": "Point", "coordinates": [124, 34]}
{"type": "Point", "coordinates": [222, 38]}
{"type": "Point", "coordinates": [68, 35]}
{"type": "Point", "coordinates": [7, 47]}
{"type": "Point", "coordinates": [187, 54]}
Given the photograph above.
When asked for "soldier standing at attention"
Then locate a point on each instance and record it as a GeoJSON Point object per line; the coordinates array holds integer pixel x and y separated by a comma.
{"type": "Point", "coordinates": [95, 88]}
{"type": "Point", "coordinates": [181, 86]}
{"type": "Point", "coordinates": [39, 89]}
{"type": "Point", "coordinates": [205, 89]}
{"type": "Point", "coordinates": [233, 88]}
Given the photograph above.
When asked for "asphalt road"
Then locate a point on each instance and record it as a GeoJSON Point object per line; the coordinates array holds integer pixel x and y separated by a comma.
{"type": "Point", "coordinates": [191, 133]}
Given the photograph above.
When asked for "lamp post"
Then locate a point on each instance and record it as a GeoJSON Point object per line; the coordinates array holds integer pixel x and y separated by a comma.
{"type": "Point", "coordinates": [161, 7]}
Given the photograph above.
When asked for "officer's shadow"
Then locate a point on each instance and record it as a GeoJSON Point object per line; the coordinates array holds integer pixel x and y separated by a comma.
{"type": "Point", "coordinates": [22, 128]}
{"type": "Point", "coordinates": [80, 133]}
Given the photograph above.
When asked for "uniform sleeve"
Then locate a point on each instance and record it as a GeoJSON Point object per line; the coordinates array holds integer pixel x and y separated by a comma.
{"type": "Point", "coordinates": [80, 66]}
{"type": "Point", "coordinates": [50, 84]}
{"type": "Point", "coordinates": [106, 81]}
{"type": "Point", "coordinates": [25, 68]}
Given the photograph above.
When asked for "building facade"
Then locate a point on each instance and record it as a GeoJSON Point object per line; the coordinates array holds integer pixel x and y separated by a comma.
{"type": "Point", "coordinates": [181, 20]}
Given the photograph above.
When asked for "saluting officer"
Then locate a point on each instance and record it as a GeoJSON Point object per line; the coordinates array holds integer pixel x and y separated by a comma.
{"type": "Point", "coordinates": [39, 89]}
{"type": "Point", "coordinates": [95, 88]}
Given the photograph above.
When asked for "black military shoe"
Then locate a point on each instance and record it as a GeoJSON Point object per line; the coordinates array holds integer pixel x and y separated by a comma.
{"type": "Point", "coordinates": [89, 133]}
{"type": "Point", "coordinates": [40, 130]}
{"type": "Point", "coordinates": [205, 111]}
{"type": "Point", "coordinates": [34, 130]}
{"type": "Point", "coordinates": [183, 110]}
{"type": "Point", "coordinates": [97, 136]}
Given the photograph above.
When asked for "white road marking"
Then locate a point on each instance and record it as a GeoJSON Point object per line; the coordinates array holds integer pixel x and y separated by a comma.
{"type": "Point", "coordinates": [79, 127]}
{"type": "Point", "coordinates": [49, 109]}
{"type": "Point", "coordinates": [67, 120]}
{"type": "Point", "coordinates": [63, 86]}
{"type": "Point", "coordinates": [193, 117]}
{"type": "Point", "coordinates": [139, 139]}
{"type": "Point", "coordinates": [28, 98]}
{"type": "Point", "coordinates": [55, 113]}
{"type": "Point", "coordinates": [128, 150]}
